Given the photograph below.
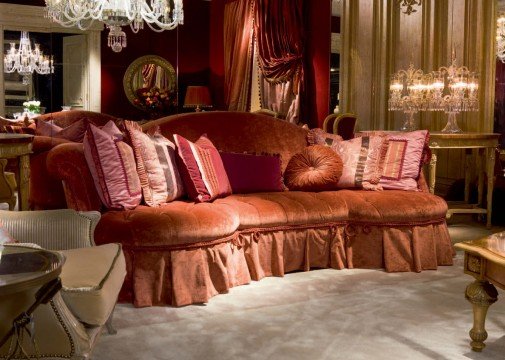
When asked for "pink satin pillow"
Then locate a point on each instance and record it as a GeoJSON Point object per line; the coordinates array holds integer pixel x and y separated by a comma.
{"type": "Point", "coordinates": [202, 169]}
{"type": "Point", "coordinates": [74, 132]}
{"type": "Point", "coordinates": [112, 165]}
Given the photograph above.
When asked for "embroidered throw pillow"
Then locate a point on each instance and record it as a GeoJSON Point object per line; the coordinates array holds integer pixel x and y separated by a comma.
{"type": "Point", "coordinates": [202, 169]}
{"type": "Point", "coordinates": [404, 160]}
{"type": "Point", "coordinates": [316, 168]}
{"type": "Point", "coordinates": [406, 154]}
{"type": "Point", "coordinates": [320, 137]}
{"type": "Point", "coordinates": [112, 165]}
{"type": "Point", "coordinates": [250, 173]}
{"type": "Point", "coordinates": [362, 159]}
{"type": "Point", "coordinates": [153, 176]}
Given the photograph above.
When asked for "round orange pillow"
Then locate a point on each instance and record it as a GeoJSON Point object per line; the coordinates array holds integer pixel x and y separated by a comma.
{"type": "Point", "coordinates": [317, 168]}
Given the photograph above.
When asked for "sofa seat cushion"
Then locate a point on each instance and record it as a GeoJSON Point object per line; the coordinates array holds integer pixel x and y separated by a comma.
{"type": "Point", "coordinates": [170, 225]}
{"type": "Point", "coordinates": [288, 208]}
{"type": "Point", "coordinates": [91, 279]}
{"type": "Point", "coordinates": [393, 206]}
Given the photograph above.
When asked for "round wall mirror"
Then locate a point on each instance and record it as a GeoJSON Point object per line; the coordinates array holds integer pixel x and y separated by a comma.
{"type": "Point", "coordinates": [150, 84]}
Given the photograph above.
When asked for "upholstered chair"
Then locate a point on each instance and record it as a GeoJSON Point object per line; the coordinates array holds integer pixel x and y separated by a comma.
{"type": "Point", "coordinates": [68, 326]}
{"type": "Point", "coordinates": [341, 124]}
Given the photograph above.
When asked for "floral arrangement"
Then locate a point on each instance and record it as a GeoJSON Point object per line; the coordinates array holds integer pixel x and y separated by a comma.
{"type": "Point", "coordinates": [32, 106]}
{"type": "Point", "coordinates": [155, 100]}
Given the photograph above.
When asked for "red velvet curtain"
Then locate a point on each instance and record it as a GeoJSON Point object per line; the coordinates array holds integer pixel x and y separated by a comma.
{"type": "Point", "coordinates": [280, 38]}
{"type": "Point", "coordinates": [238, 54]}
{"type": "Point", "coordinates": [279, 31]}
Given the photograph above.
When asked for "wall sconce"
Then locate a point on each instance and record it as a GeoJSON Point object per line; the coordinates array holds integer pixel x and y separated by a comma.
{"type": "Point", "coordinates": [197, 97]}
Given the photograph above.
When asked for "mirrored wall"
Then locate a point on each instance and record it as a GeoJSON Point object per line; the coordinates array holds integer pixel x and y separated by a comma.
{"type": "Point", "coordinates": [75, 82]}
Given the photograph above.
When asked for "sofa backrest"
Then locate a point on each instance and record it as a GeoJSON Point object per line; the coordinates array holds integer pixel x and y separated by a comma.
{"type": "Point", "coordinates": [237, 132]}
{"type": "Point", "coordinates": [66, 118]}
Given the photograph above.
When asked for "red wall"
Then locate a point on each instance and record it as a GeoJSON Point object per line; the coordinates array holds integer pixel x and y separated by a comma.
{"type": "Point", "coordinates": [200, 58]}
{"type": "Point", "coordinates": [317, 62]}
{"type": "Point", "coordinates": [189, 54]}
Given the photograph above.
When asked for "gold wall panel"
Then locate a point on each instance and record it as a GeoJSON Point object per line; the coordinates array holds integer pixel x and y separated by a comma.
{"type": "Point", "coordinates": [378, 39]}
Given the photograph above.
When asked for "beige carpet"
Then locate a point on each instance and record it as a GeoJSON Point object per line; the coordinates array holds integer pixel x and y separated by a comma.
{"type": "Point", "coordinates": [322, 314]}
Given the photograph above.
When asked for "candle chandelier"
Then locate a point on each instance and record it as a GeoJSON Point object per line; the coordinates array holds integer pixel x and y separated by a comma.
{"type": "Point", "coordinates": [159, 15]}
{"type": "Point", "coordinates": [500, 38]}
{"type": "Point", "coordinates": [409, 91]}
{"type": "Point", "coordinates": [450, 89]}
{"type": "Point", "coordinates": [26, 61]}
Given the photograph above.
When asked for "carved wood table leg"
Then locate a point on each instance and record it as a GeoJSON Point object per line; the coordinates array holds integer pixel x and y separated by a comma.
{"type": "Point", "coordinates": [490, 156]}
{"type": "Point", "coordinates": [433, 170]}
{"type": "Point", "coordinates": [481, 294]}
{"type": "Point", "coordinates": [24, 181]}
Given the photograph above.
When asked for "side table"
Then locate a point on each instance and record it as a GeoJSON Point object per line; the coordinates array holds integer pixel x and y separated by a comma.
{"type": "Point", "coordinates": [19, 146]}
{"type": "Point", "coordinates": [28, 277]}
{"type": "Point", "coordinates": [484, 145]}
{"type": "Point", "coordinates": [485, 261]}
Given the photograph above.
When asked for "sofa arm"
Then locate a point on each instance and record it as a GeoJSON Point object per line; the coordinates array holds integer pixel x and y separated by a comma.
{"type": "Point", "coordinates": [66, 162]}
{"type": "Point", "coordinates": [52, 229]}
{"type": "Point", "coordinates": [46, 143]}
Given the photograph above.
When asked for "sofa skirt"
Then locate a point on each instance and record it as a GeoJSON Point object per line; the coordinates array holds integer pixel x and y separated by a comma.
{"type": "Point", "coordinates": [393, 247]}
{"type": "Point", "coordinates": [181, 277]}
{"type": "Point", "coordinates": [178, 277]}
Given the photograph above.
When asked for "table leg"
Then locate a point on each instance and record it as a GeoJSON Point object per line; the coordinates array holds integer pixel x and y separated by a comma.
{"type": "Point", "coordinates": [24, 182]}
{"type": "Point", "coordinates": [433, 170]}
{"type": "Point", "coordinates": [490, 160]}
{"type": "Point", "coordinates": [481, 295]}
{"type": "Point", "coordinates": [480, 172]}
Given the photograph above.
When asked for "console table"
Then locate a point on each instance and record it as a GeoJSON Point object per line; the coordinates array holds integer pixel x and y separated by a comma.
{"type": "Point", "coordinates": [483, 145]}
{"type": "Point", "coordinates": [19, 146]}
{"type": "Point", "coordinates": [485, 261]}
{"type": "Point", "coordinates": [28, 277]}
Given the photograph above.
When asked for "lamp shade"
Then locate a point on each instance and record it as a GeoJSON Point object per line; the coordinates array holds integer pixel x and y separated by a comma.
{"type": "Point", "coordinates": [197, 96]}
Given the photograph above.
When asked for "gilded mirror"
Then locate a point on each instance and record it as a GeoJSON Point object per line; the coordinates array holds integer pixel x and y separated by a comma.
{"type": "Point", "coordinates": [150, 85]}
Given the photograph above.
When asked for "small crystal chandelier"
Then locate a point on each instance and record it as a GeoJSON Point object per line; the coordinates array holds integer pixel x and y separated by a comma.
{"type": "Point", "coordinates": [500, 38]}
{"type": "Point", "coordinates": [409, 91]}
{"type": "Point", "coordinates": [159, 15]}
{"type": "Point", "coordinates": [25, 61]}
{"type": "Point", "coordinates": [454, 89]}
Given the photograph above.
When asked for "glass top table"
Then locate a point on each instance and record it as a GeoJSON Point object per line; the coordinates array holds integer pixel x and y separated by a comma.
{"type": "Point", "coordinates": [23, 268]}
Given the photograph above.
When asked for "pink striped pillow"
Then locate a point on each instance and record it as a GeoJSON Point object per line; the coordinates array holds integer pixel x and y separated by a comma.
{"type": "Point", "coordinates": [112, 166]}
{"type": "Point", "coordinates": [155, 167]}
{"type": "Point", "coordinates": [167, 155]}
{"type": "Point", "coordinates": [202, 169]}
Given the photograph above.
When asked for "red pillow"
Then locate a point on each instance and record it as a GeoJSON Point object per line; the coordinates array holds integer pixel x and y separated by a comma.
{"type": "Point", "coordinates": [202, 169]}
{"type": "Point", "coordinates": [250, 173]}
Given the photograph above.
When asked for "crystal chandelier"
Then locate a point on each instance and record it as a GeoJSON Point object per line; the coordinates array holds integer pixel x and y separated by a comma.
{"type": "Point", "coordinates": [409, 91]}
{"type": "Point", "coordinates": [25, 61]}
{"type": "Point", "coordinates": [453, 90]}
{"type": "Point", "coordinates": [500, 38]}
{"type": "Point", "coordinates": [158, 14]}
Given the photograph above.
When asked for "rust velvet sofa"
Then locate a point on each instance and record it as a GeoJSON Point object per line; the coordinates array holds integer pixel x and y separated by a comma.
{"type": "Point", "coordinates": [183, 253]}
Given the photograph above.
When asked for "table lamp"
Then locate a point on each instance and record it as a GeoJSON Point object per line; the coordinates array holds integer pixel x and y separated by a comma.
{"type": "Point", "coordinates": [197, 97]}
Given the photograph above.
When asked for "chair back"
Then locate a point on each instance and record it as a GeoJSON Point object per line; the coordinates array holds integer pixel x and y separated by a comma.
{"type": "Point", "coordinates": [341, 124]}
